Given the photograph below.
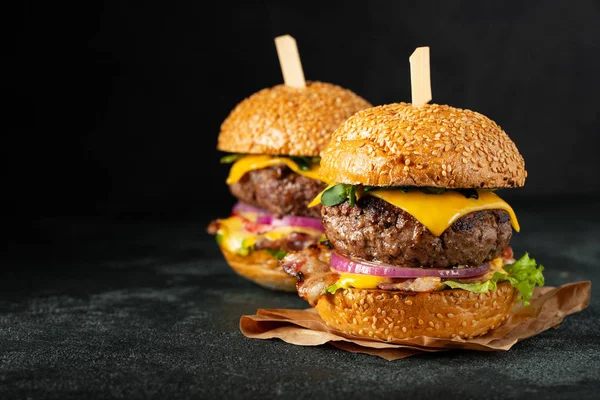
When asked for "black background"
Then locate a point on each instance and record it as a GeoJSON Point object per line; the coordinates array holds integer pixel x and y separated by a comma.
{"type": "Point", "coordinates": [114, 108]}
{"type": "Point", "coordinates": [111, 286]}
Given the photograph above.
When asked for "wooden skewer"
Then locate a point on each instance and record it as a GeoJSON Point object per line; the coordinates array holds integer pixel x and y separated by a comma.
{"type": "Point", "coordinates": [289, 59]}
{"type": "Point", "coordinates": [420, 80]}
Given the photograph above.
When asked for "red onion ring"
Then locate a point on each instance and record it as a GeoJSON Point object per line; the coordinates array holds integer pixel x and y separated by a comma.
{"type": "Point", "coordinates": [294, 220]}
{"type": "Point", "coordinates": [264, 219]}
{"type": "Point", "coordinates": [354, 266]}
{"type": "Point", "coordinates": [243, 207]}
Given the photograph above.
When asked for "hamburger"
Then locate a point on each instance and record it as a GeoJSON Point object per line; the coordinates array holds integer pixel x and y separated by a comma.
{"type": "Point", "coordinates": [273, 140]}
{"type": "Point", "coordinates": [418, 240]}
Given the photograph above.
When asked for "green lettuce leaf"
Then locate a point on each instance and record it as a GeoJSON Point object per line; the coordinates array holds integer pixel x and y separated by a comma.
{"type": "Point", "coordinates": [523, 275]}
{"type": "Point", "coordinates": [475, 287]}
{"type": "Point", "coordinates": [333, 288]}
{"type": "Point", "coordinates": [277, 253]}
{"type": "Point", "coordinates": [230, 158]}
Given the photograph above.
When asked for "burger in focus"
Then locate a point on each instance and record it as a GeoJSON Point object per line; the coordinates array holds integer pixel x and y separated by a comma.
{"type": "Point", "coordinates": [274, 139]}
{"type": "Point", "coordinates": [418, 240]}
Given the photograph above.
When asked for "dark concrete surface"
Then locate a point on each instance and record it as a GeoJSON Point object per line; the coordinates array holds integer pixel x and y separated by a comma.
{"type": "Point", "coordinates": [147, 308]}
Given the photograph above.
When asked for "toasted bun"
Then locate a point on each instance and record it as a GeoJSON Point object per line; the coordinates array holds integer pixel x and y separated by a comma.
{"type": "Point", "coordinates": [430, 145]}
{"type": "Point", "coordinates": [387, 315]}
{"type": "Point", "coordinates": [261, 268]}
{"type": "Point", "coordinates": [288, 121]}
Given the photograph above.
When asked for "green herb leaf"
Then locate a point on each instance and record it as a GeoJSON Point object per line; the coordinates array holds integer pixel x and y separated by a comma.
{"type": "Point", "coordinates": [352, 195]}
{"type": "Point", "coordinates": [230, 158]}
{"type": "Point", "coordinates": [403, 189]}
{"type": "Point", "coordinates": [432, 190]}
{"type": "Point", "coordinates": [219, 237]}
{"type": "Point", "coordinates": [523, 275]}
{"type": "Point", "coordinates": [469, 193]}
{"type": "Point", "coordinates": [277, 253]}
{"type": "Point", "coordinates": [304, 163]}
{"type": "Point", "coordinates": [335, 195]}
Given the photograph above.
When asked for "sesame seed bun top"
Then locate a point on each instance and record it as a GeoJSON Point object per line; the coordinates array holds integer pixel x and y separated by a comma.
{"type": "Point", "coordinates": [430, 145]}
{"type": "Point", "coordinates": [288, 121]}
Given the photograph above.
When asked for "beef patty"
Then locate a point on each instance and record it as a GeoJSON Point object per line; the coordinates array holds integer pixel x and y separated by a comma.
{"type": "Point", "coordinates": [375, 230]}
{"type": "Point", "coordinates": [279, 190]}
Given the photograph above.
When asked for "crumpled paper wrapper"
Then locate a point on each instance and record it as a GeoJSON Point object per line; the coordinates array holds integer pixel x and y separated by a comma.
{"type": "Point", "coordinates": [549, 306]}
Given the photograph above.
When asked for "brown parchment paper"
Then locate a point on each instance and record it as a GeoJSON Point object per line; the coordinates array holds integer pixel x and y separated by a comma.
{"type": "Point", "coordinates": [549, 306]}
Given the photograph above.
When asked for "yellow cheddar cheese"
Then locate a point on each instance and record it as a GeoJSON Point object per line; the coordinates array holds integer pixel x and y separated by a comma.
{"type": "Point", "coordinates": [254, 162]}
{"type": "Point", "coordinates": [437, 211]}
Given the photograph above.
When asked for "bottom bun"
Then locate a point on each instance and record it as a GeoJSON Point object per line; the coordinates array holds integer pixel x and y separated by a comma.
{"type": "Point", "coordinates": [261, 268]}
{"type": "Point", "coordinates": [391, 315]}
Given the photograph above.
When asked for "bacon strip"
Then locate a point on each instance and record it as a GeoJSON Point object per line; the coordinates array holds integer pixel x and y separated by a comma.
{"type": "Point", "coordinates": [427, 284]}
{"type": "Point", "coordinates": [311, 266]}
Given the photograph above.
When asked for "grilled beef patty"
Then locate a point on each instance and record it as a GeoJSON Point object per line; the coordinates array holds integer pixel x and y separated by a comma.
{"type": "Point", "coordinates": [376, 230]}
{"type": "Point", "coordinates": [279, 190]}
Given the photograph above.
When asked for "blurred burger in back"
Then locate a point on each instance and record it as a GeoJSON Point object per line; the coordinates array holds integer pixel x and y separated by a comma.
{"type": "Point", "coordinates": [274, 139]}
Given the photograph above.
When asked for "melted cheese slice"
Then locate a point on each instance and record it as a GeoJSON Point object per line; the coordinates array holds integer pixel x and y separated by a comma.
{"type": "Point", "coordinates": [359, 281]}
{"type": "Point", "coordinates": [438, 211]}
{"type": "Point", "coordinates": [238, 240]}
{"type": "Point", "coordinates": [252, 162]}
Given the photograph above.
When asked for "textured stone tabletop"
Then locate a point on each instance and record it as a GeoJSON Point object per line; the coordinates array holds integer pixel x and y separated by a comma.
{"type": "Point", "coordinates": [147, 308]}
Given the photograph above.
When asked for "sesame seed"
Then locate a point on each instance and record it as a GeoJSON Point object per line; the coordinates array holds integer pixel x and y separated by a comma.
{"type": "Point", "coordinates": [421, 322]}
{"type": "Point", "coordinates": [450, 315]}
{"type": "Point", "coordinates": [404, 329]}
